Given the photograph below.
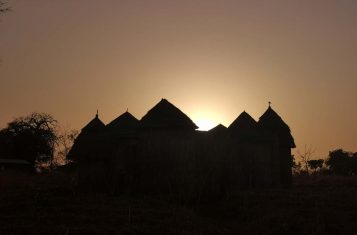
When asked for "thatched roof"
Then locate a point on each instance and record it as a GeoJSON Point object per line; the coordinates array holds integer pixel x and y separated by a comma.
{"type": "Point", "coordinates": [87, 139]}
{"type": "Point", "coordinates": [124, 122]}
{"type": "Point", "coordinates": [95, 125]}
{"type": "Point", "coordinates": [165, 116]}
{"type": "Point", "coordinates": [270, 120]}
{"type": "Point", "coordinates": [245, 128]}
{"type": "Point", "coordinates": [243, 122]}
{"type": "Point", "coordinates": [124, 126]}
{"type": "Point", "coordinates": [219, 129]}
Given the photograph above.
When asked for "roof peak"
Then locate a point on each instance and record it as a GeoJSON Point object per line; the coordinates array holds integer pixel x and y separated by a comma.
{"type": "Point", "coordinates": [270, 112]}
{"type": "Point", "coordinates": [220, 125]}
{"type": "Point", "coordinates": [245, 113]}
{"type": "Point", "coordinates": [124, 120]}
{"type": "Point", "coordinates": [94, 125]}
{"type": "Point", "coordinates": [271, 120]}
{"type": "Point", "coordinates": [163, 100]}
{"type": "Point", "coordinates": [166, 115]}
{"type": "Point", "coordinates": [219, 129]}
{"type": "Point", "coordinates": [244, 120]}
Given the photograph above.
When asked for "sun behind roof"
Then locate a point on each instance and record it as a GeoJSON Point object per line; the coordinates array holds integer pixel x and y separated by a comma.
{"type": "Point", "coordinates": [205, 124]}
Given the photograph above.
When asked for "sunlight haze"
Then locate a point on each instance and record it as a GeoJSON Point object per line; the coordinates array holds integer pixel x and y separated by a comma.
{"type": "Point", "coordinates": [212, 59]}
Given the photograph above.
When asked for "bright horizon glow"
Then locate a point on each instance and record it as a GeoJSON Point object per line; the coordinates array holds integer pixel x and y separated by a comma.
{"type": "Point", "coordinates": [205, 124]}
{"type": "Point", "coordinates": [211, 59]}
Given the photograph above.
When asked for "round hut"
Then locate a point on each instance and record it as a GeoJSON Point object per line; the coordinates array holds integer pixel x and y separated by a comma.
{"type": "Point", "coordinates": [252, 155]}
{"type": "Point", "coordinates": [89, 155]}
{"type": "Point", "coordinates": [243, 128]}
{"type": "Point", "coordinates": [121, 145]}
{"type": "Point", "coordinates": [124, 126]}
{"type": "Point", "coordinates": [86, 145]}
{"type": "Point", "coordinates": [165, 117]}
{"type": "Point", "coordinates": [165, 160]}
{"type": "Point", "coordinates": [272, 123]}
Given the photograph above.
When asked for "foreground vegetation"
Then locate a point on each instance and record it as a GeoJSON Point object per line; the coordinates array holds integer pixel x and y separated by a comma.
{"type": "Point", "coordinates": [53, 204]}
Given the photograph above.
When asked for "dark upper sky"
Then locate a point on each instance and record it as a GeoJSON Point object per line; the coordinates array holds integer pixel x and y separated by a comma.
{"type": "Point", "coordinates": [211, 58]}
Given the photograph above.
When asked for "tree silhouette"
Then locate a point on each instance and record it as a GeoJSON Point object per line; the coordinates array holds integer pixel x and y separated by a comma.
{"type": "Point", "coordinates": [315, 164]}
{"type": "Point", "coordinates": [296, 166]}
{"type": "Point", "coordinates": [65, 142]}
{"type": "Point", "coordinates": [31, 138]}
{"type": "Point", "coordinates": [305, 157]}
{"type": "Point", "coordinates": [339, 162]}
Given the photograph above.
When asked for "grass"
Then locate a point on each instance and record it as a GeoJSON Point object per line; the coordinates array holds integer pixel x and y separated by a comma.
{"type": "Point", "coordinates": [51, 204]}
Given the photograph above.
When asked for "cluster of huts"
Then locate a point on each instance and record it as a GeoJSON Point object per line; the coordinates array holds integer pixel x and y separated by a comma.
{"type": "Point", "coordinates": [164, 153]}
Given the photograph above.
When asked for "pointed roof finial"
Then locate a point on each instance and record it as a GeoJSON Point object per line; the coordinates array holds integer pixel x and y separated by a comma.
{"type": "Point", "coordinates": [269, 104]}
{"type": "Point", "coordinates": [97, 115]}
{"type": "Point", "coordinates": [127, 109]}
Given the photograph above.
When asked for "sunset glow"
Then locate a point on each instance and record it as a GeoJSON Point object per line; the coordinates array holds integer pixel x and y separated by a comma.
{"type": "Point", "coordinates": [212, 59]}
{"type": "Point", "coordinates": [205, 124]}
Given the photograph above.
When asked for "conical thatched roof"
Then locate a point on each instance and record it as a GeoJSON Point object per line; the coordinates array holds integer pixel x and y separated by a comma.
{"type": "Point", "coordinates": [87, 139]}
{"type": "Point", "coordinates": [272, 121]}
{"type": "Point", "coordinates": [243, 122]}
{"type": "Point", "coordinates": [95, 125]}
{"type": "Point", "coordinates": [218, 131]}
{"type": "Point", "coordinates": [166, 116]}
{"type": "Point", "coordinates": [218, 128]}
{"type": "Point", "coordinates": [124, 122]}
{"type": "Point", "coordinates": [245, 128]}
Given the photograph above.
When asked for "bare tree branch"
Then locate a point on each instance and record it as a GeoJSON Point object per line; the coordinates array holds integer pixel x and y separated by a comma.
{"type": "Point", "coordinates": [306, 156]}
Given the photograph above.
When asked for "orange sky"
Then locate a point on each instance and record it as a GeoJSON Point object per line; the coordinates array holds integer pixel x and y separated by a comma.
{"type": "Point", "coordinates": [211, 58]}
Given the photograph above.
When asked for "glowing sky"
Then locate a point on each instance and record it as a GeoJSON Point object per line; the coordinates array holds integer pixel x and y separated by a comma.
{"type": "Point", "coordinates": [211, 58]}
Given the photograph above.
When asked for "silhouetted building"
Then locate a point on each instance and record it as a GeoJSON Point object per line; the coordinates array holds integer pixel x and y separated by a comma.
{"type": "Point", "coordinates": [164, 153]}
{"type": "Point", "coordinates": [253, 154]}
{"type": "Point", "coordinates": [124, 126]}
{"type": "Point", "coordinates": [86, 145]}
{"type": "Point", "coordinates": [121, 137]}
{"type": "Point", "coordinates": [218, 130]}
{"type": "Point", "coordinates": [165, 156]}
{"type": "Point", "coordinates": [121, 145]}
{"type": "Point", "coordinates": [102, 152]}
{"type": "Point", "coordinates": [270, 121]}
{"type": "Point", "coordinates": [164, 116]}
{"type": "Point", "coordinates": [244, 127]}
{"type": "Point", "coordinates": [211, 158]}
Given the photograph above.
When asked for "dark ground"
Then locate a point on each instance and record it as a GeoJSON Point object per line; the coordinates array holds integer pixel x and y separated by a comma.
{"type": "Point", "coordinates": [50, 205]}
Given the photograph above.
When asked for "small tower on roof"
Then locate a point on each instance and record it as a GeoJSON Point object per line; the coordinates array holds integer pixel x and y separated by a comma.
{"type": "Point", "coordinates": [95, 125]}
